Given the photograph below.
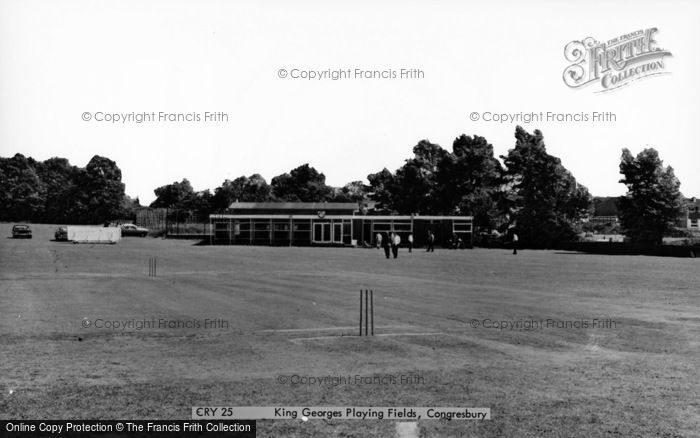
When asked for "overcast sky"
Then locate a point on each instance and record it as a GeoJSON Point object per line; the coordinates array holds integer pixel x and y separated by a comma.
{"type": "Point", "coordinates": [59, 60]}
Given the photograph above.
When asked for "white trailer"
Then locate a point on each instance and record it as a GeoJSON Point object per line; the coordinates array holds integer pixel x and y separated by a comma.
{"type": "Point", "coordinates": [87, 234]}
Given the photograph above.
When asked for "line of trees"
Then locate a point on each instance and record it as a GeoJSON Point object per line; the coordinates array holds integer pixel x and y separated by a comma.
{"type": "Point", "coordinates": [54, 191]}
{"type": "Point", "coordinates": [532, 189]}
{"type": "Point", "coordinates": [527, 190]}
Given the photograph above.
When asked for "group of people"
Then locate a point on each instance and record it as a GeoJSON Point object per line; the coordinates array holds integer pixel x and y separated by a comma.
{"type": "Point", "coordinates": [391, 243]}
{"type": "Point", "coordinates": [393, 240]}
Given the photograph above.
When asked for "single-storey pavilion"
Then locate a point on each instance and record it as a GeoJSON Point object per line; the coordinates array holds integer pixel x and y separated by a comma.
{"type": "Point", "coordinates": [327, 224]}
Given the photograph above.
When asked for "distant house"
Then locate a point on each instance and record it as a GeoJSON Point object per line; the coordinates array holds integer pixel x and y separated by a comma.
{"type": "Point", "coordinates": [605, 210]}
{"type": "Point", "coordinates": [605, 206]}
{"type": "Point", "coordinates": [691, 214]}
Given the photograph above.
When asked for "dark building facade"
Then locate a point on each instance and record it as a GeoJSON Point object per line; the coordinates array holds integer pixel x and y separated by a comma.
{"type": "Point", "coordinates": [328, 224]}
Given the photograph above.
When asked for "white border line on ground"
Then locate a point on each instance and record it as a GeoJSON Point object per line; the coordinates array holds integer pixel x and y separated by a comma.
{"type": "Point", "coordinates": [406, 429]}
{"type": "Point", "coordinates": [326, 329]}
{"type": "Point", "coordinates": [318, 338]}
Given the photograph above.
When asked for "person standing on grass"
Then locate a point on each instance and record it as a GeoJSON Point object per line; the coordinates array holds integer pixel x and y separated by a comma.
{"type": "Point", "coordinates": [431, 242]}
{"type": "Point", "coordinates": [410, 242]}
{"type": "Point", "coordinates": [515, 243]}
{"type": "Point", "coordinates": [379, 240]}
{"type": "Point", "coordinates": [387, 246]}
{"type": "Point", "coordinates": [395, 242]}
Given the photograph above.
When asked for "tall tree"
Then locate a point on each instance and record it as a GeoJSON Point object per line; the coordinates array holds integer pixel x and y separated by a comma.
{"type": "Point", "coordinates": [59, 178]}
{"type": "Point", "coordinates": [653, 201]}
{"type": "Point", "coordinates": [355, 191]}
{"type": "Point", "coordinates": [547, 198]}
{"type": "Point", "coordinates": [257, 189]}
{"type": "Point", "coordinates": [22, 193]}
{"type": "Point", "coordinates": [469, 181]}
{"type": "Point", "coordinates": [102, 186]}
{"type": "Point", "coordinates": [303, 184]}
{"type": "Point", "coordinates": [243, 189]}
{"type": "Point", "coordinates": [184, 203]}
{"type": "Point", "coordinates": [173, 195]}
{"type": "Point", "coordinates": [413, 190]}
{"type": "Point", "coordinates": [199, 203]}
{"type": "Point", "coordinates": [380, 187]}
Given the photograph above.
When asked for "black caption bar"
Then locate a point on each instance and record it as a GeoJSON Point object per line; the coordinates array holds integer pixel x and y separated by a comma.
{"type": "Point", "coordinates": [128, 428]}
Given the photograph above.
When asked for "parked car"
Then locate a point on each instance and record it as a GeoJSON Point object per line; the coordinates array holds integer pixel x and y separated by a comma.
{"type": "Point", "coordinates": [21, 231]}
{"type": "Point", "coordinates": [61, 234]}
{"type": "Point", "coordinates": [133, 230]}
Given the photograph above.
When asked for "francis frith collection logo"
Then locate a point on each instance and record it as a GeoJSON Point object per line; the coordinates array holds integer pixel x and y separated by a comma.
{"type": "Point", "coordinates": [616, 62]}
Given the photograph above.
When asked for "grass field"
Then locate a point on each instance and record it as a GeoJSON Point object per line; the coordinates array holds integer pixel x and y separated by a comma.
{"type": "Point", "coordinates": [294, 312]}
